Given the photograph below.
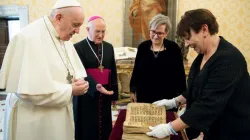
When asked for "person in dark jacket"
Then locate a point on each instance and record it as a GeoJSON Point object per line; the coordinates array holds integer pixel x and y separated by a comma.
{"type": "Point", "coordinates": [158, 70]}
{"type": "Point", "coordinates": [218, 95]}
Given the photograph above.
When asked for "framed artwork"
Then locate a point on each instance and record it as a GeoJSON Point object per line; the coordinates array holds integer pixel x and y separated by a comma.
{"type": "Point", "coordinates": [137, 15]}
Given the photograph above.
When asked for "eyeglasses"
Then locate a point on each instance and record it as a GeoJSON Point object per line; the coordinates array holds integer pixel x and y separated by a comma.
{"type": "Point", "coordinates": [159, 34]}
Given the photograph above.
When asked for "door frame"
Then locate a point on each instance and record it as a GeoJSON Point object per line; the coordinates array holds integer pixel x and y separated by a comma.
{"type": "Point", "coordinates": [15, 11]}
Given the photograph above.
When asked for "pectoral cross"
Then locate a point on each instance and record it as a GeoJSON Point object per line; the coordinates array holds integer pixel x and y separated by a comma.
{"type": "Point", "coordinates": [101, 67]}
{"type": "Point", "coordinates": [69, 77]}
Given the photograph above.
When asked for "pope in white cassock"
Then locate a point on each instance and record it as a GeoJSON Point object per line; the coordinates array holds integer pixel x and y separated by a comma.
{"type": "Point", "coordinates": [41, 72]}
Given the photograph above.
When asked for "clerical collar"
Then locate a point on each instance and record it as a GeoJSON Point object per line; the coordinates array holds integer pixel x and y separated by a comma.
{"type": "Point", "coordinates": [92, 43]}
{"type": "Point", "coordinates": [51, 27]}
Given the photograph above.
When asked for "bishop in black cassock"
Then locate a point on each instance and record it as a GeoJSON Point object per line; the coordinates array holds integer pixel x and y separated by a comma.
{"type": "Point", "coordinates": [93, 120]}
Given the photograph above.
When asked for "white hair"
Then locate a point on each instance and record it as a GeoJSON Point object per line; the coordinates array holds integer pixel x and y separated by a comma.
{"type": "Point", "coordinates": [53, 13]}
{"type": "Point", "coordinates": [160, 19]}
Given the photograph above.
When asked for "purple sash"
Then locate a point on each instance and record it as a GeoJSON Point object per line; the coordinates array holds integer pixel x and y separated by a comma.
{"type": "Point", "coordinates": [100, 77]}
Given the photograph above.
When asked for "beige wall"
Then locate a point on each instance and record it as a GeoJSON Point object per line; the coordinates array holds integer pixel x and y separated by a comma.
{"type": "Point", "coordinates": [110, 10]}
{"type": "Point", "coordinates": [233, 17]}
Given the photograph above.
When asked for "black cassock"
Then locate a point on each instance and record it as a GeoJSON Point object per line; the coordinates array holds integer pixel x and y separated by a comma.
{"type": "Point", "coordinates": [92, 112]}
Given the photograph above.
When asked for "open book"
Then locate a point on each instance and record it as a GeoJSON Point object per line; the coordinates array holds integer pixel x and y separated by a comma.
{"type": "Point", "coordinates": [139, 117]}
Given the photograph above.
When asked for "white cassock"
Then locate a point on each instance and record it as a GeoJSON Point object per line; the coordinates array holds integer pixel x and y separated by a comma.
{"type": "Point", "coordinates": [39, 101]}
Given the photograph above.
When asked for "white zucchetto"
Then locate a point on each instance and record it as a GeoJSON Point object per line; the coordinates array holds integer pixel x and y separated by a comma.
{"type": "Point", "coordinates": [66, 3]}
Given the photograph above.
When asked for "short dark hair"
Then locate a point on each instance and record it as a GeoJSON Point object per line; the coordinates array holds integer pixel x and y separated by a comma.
{"type": "Point", "coordinates": [194, 19]}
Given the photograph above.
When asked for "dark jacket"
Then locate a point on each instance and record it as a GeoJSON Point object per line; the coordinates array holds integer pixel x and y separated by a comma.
{"type": "Point", "coordinates": [218, 97]}
{"type": "Point", "coordinates": [158, 78]}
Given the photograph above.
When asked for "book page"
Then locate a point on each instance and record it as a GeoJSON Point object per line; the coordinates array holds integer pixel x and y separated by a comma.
{"type": "Point", "coordinates": [143, 115]}
{"type": "Point", "coordinates": [139, 117]}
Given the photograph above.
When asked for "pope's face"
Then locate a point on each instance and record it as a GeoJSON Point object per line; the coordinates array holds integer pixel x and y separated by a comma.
{"type": "Point", "coordinates": [70, 23]}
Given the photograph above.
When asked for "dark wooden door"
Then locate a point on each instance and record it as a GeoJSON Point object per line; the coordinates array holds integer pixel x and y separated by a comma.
{"type": "Point", "coordinates": [4, 38]}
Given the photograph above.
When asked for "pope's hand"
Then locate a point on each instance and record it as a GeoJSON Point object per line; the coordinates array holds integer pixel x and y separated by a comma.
{"type": "Point", "coordinates": [160, 131]}
{"type": "Point", "coordinates": [168, 103]}
{"type": "Point", "coordinates": [79, 87]}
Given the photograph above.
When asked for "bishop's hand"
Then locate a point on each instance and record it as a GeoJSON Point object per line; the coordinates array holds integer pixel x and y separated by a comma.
{"type": "Point", "coordinates": [103, 90]}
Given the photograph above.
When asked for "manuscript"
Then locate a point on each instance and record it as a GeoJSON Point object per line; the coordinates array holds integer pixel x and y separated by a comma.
{"type": "Point", "coordinates": [139, 117]}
